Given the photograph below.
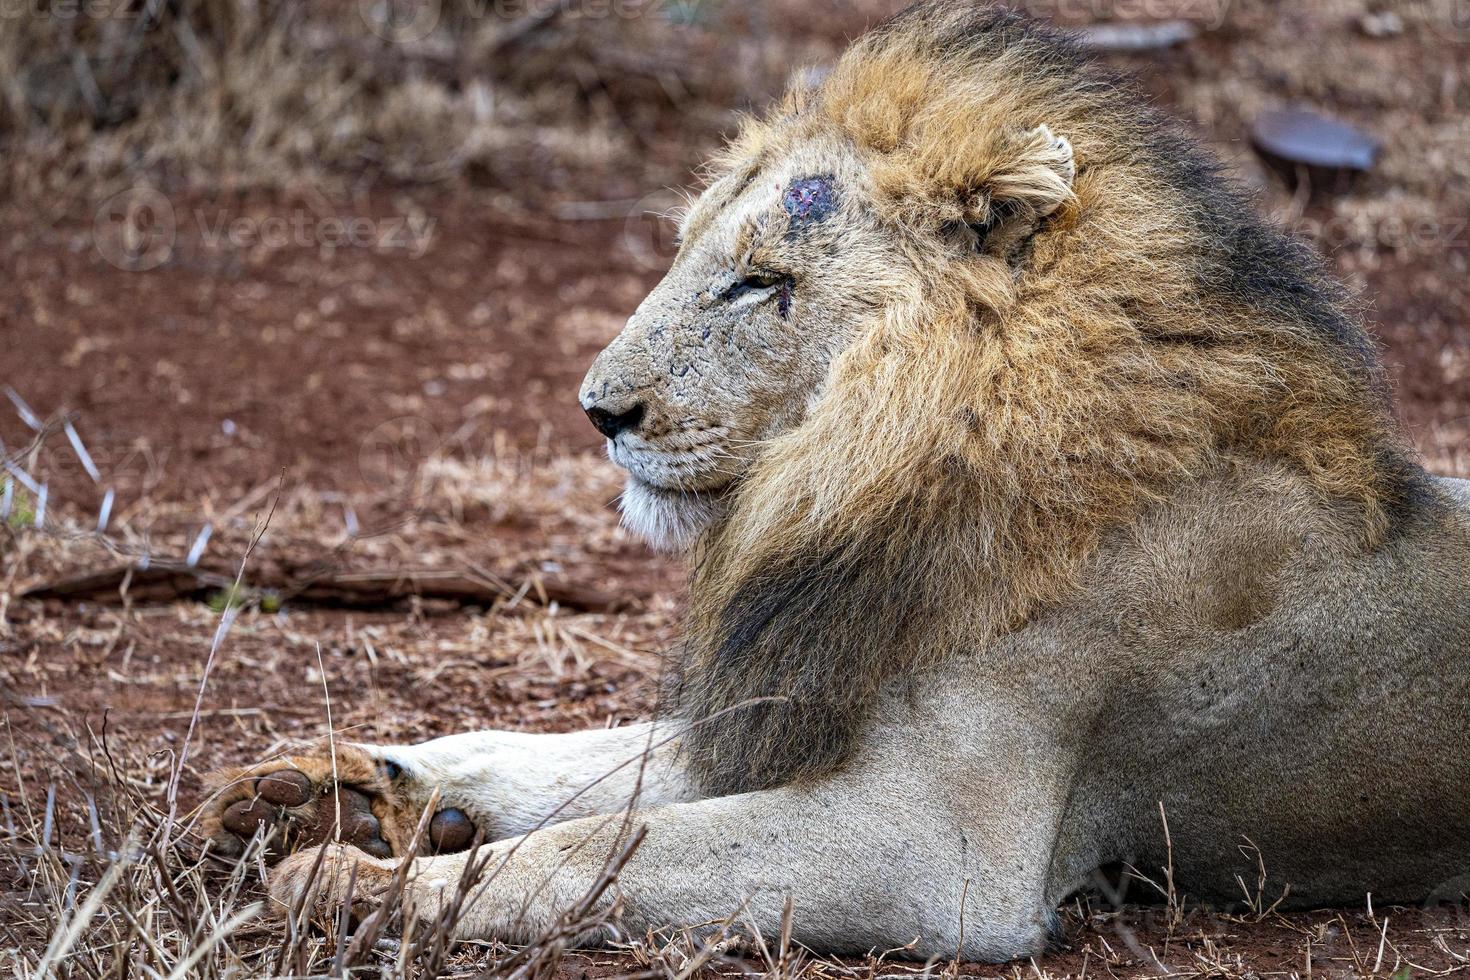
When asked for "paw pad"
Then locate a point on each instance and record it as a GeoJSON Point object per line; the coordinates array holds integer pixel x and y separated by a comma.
{"type": "Point", "coordinates": [272, 793]}
{"type": "Point", "coordinates": [360, 827]}
{"type": "Point", "coordinates": [314, 801]}
{"type": "Point", "coordinates": [450, 831]}
{"type": "Point", "coordinates": [289, 787]}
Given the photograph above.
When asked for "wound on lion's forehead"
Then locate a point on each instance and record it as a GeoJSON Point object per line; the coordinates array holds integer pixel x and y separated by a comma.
{"type": "Point", "coordinates": [808, 200]}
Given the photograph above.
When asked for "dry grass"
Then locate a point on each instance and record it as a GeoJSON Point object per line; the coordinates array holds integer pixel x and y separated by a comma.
{"type": "Point", "coordinates": [101, 872]}
{"type": "Point", "coordinates": [147, 902]}
{"type": "Point", "coordinates": [104, 903]}
{"type": "Point", "coordinates": [246, 93]}
{"type": "Point", "coordinates": [229, 94]}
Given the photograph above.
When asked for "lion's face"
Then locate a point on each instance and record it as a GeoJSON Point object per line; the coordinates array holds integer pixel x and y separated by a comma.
{"type": "Point", "coordinates": [731, 348]}
{"type": "Point", "coordinates": [783, 262]}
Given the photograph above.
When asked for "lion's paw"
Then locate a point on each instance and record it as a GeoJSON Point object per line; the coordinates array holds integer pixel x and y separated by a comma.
{"type": "Point", "coordinates": [321, 883]}
{"type": "Point", "coordinates": [302, 801]}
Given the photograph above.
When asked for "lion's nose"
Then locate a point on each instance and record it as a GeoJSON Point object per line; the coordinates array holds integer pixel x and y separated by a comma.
{"type": "Point", "coordinates": [611, 423]}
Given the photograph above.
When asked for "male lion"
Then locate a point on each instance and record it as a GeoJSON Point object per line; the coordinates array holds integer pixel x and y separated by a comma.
{"type": "Point", "coordinates": [1031, 483]}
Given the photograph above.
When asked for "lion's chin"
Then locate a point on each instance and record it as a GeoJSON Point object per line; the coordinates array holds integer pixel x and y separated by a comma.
{"type": "Point", "coordinates": [669, 520]}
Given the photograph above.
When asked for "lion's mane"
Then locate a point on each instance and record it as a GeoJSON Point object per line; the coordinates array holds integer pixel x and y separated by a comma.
{"type": "Point", "coordinates": [978, 440]}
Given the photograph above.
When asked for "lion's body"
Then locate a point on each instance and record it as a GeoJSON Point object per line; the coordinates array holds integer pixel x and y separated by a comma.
{"type": "Point", "coordinates": [1237, 660]}
{"type": "Point", "coordinates": [1039, 495]}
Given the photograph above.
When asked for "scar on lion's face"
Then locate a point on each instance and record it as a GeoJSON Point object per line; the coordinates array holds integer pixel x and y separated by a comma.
{"type": "Point", "coordinates": [809, 200]}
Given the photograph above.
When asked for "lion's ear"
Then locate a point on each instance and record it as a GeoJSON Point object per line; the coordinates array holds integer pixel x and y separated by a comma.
{"type": "Point", "coordinates": [1033, 179]}
{"type": "Point", "coordinates": [804, 88]}
{"type": "Point", "coordinates": [1039, 175]}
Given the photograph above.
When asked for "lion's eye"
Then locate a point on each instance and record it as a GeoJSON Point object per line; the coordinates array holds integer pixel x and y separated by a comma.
{"type": "Point", "coordinates": [756, 287]}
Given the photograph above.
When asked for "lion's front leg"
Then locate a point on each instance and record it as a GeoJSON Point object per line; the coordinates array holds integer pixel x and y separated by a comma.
{"type": "Point", "coordinates": [863, 870]}
{"type": "Point", "coordinates": [494, 784]}
{"type": "Point", "coordinates": [511, 783]}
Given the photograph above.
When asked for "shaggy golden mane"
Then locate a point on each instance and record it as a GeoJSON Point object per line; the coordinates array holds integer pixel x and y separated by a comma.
{"type": "Point", "coordinates": [1007, 409]}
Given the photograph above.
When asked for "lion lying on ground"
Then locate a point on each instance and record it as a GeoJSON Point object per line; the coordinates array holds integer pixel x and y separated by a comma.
{"type": "Point", "coordinates": [1030, 482]}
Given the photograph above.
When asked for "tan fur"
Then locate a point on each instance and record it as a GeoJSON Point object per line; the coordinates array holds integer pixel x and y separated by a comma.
{"type": "Point", "coordinates": [994, 422]}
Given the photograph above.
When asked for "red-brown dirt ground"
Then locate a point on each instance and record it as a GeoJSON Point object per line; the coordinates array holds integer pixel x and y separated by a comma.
{"type": "Point", "coordinates": [423, 394]}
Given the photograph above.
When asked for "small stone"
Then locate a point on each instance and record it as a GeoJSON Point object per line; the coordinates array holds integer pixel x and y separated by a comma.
{"type": "Point", "coordinates": [1128, 38]}
{"type": "Point", "coordinates": [1386, 24]}
{"type": "Point", "coordinates": [1330, 153]}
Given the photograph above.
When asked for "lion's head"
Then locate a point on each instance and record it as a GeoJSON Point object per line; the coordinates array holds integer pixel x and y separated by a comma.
{"type": "Point", "coordinates": [938, 325]}
{"type": "Point", "coordinates": [784, 260]}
